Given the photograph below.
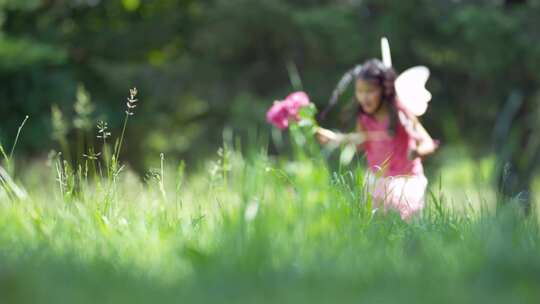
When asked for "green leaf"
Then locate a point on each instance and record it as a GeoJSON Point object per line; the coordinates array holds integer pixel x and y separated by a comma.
{"type": "Point", "coordinates": [131, 5]}
{"type": "Point", "coordinates": [347, 154]}
{"type": "Point", "coordinates": [308, 112]}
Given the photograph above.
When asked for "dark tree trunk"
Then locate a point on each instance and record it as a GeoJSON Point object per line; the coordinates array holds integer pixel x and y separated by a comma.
{"type": "Point", "coordinates": [517, 150]}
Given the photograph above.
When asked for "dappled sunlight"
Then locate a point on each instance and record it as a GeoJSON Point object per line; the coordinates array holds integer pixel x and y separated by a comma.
{"type": "Point", "coordinates": [242, 151]}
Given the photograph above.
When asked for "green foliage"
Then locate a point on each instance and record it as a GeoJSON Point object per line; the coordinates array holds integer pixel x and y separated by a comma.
{"type": "Point", "coordinates": [83, 110]}
{"type": "Point", "coordinates": [17, 54]}
{"type": "Point", "coordinates": [131, 5]}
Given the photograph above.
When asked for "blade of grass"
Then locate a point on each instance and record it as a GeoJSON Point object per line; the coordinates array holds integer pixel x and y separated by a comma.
{"type": "Point", "coordinates": [17, 137]}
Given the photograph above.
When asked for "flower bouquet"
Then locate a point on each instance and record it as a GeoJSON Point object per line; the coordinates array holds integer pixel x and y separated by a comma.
{"type": "Point", "coordinates": [296, 110]}
{"type": "Point", "coordinates": [297, 114]}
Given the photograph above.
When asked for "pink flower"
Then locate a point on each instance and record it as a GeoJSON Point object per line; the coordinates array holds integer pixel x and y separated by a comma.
{"type": "Point", "coordinates": [281, 111]}
{"type": "Point", "coordinates": [294, 102]}
{"type": "Point", "coordinates": [278, 115]}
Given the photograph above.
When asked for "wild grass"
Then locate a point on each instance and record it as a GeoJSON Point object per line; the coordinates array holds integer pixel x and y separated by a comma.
{"type": "Point", "coordinates": [249, 227]}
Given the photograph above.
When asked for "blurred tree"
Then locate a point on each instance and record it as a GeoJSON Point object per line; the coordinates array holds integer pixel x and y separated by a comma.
{"type": "Point", "coordinates": [517, 130]}
{"type": "Point", "coordinates": [30, 69]}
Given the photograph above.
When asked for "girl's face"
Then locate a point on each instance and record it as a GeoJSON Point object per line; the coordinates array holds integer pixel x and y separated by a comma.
{"type": "Point", "coordinates": [368, 95]}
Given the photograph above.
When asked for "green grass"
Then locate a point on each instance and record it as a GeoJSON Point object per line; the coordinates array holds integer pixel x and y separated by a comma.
{"type": "Point", "coordinates": [250, 228]}
{"type": "Point", "coordinates": [247, 227]}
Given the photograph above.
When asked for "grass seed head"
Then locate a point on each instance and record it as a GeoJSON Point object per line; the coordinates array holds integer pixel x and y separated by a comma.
{"type": "Point", "coordinates": [131, 101]}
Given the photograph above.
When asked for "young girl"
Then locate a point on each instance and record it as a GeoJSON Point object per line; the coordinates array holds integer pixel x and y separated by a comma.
{"type": "Point", "coordinates": [393, 139]}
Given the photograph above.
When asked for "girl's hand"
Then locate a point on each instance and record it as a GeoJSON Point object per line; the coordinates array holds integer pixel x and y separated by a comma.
{"type": "Point", "coordinates": [427, 147]}
{"type": "Point", "coordinates": [425, 144]}
{"type": "Point", "coordinates": [324, 136]}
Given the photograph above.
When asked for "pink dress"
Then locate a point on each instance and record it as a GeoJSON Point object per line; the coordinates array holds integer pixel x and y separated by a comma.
{"type": "Point", "coordinates": [394, 180]}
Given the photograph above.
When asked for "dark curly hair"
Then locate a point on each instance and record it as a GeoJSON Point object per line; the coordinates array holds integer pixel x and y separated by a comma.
{"type": "Point", "coordinates": [374, 71]}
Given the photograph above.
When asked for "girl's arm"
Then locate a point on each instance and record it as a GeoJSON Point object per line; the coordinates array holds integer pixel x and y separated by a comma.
{"type": "Point", "coordinates": [426, 145]}
{"type": "Point", "coordinates": [326, 136]}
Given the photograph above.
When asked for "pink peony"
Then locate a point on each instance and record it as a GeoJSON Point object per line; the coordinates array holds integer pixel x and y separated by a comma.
{"type": "Point", "coordinates": [295, 101]}
{"type": "Point", "coordinates": [281, 111]}
{"type": "Point", "coordinates": [278, 115]}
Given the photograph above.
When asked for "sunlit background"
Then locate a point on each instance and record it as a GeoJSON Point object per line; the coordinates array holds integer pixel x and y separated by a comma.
{"type": "Point", "coordinates": [212, 200]}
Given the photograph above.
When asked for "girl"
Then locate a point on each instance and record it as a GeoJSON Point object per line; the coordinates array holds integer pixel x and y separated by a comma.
{"type": "Point", "coordinates": [393, 139]}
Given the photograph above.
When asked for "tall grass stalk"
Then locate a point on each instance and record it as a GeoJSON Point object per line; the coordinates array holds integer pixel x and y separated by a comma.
{"type": "Point", "coordinates": [131, 105]}
{"type": "Point", "coordinates": [17, 137]}
{"type": "Point", "coordinates": [162, 177]}
{"type": "Point", "coordinates": [3, 152]}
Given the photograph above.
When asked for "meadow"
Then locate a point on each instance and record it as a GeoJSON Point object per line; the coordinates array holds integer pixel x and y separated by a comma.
{"type": "Point", "coordinates": [148, 208]}
{"type": "Point", "coordinates": [250, 227]}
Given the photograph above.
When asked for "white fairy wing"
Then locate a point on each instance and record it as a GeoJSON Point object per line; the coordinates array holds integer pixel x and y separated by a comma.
{"type": "Point", "coordinates": [411, 90]}
{"type": "Point", "coordinates": [385, 50]}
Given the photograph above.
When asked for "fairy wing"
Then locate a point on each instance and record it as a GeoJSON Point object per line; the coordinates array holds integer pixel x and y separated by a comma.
{"type": "Point", "coordinates": [385, 52]}
{"type": "Point", "coordinates": [411, 89]}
